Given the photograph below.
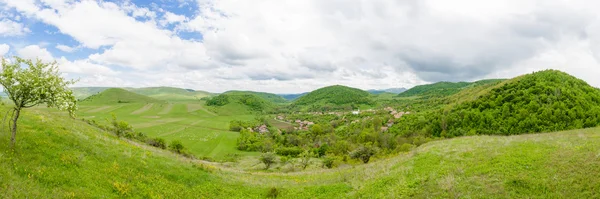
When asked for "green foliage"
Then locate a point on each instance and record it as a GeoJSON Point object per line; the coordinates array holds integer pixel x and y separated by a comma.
{"type": "Point", "coordinates": [289, 151]}
{"type": "Point", "coordinates": [441, 89]}
{"type": "Point", "coordinates": [328, 162]}
{"type": "Point", "coordinates": [121, 128]}
{"type": "Point", "coordinates": [305, 158]}
{"type": "Point", "coordinates": [539, 102]}
{"type": "Point", "coordinates": [219, 100]}
{"type": "Point", "coordinates": [268, 159]}
{"type": "Point", "coordinates": [171, 94]}
{"type": "Point", "coordinates": [176, 146]}
{"type": "Point", "coordinates": [36, 83]}
{"type": "Point", "coordinates": [270, 97]}
{"type": "Point", "coordinates": [333, 98]}
{"type": "Point", "coordinates": [157, 142]}
{"type": "Point", "coordinates": [364, 153]}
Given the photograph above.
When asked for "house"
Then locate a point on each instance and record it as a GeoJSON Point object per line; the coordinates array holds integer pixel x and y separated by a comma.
{"type": "Point", "coordinates": [263, 129]}
{"type": "Point", "coordinates": [356, 112]}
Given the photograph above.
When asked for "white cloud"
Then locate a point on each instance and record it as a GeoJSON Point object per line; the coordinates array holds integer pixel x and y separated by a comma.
{"type": "Point", "coordinates": [65, 48]}
{"type": "Point", "coordinates": [289, 46]}
{"type": "Point", "coordinates": [12, 28]}
{"type": "Point", "coordinates": [35, 52]}
{"type": "Point", "coordinates": [172, 18]}
{"type": "Point", "coordinates": [4, 48]}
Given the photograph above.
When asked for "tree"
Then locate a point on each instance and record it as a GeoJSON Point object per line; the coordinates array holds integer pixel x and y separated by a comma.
{"type": "Point", "coordinates": [268, 159]}
{"type": "Point", "coordinates": [121, 128]}
{"type": "Point", "coordinates": [176, 146]}
{"type": "Point", "coordinates": [363, 153]}
{"type": "Point", "coordinates": [305, 158]}
{"type": "Point", "coordinates": [29, 84]}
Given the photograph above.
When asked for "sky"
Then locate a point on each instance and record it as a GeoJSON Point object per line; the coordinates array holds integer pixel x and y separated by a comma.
{"type": "Point", "coordinates": [285, 46]}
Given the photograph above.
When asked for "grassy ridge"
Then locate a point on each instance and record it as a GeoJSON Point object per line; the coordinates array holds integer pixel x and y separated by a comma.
{"type": "Point", "coordinates": [441, 89]}
{"type": "Point", "coordinates": [270, 97]}
{"type": "Point", "coordinates": [333, 97]}
{"type": "Point", "coordinates": [170, 93]}
{"type": "Point", "coordinates": [58, 157]}
{"type": "Point", "coordinates": [118, 96]}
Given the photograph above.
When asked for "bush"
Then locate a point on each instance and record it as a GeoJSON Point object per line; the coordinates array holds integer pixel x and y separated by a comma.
{"type": "Point", "coordinates": [328, 162]}
{"type": "Point", "coordinates": [406, 147]}
{"type": "Point", "coordinates": [363, 153]}
{"type": "Point", "coordinates": [176, 146]}
{"type": "Point", "coordinates": [157, 142]}
{"type": "Point", "coordinates": [289, 151]}
{"type": "Point", "coordinates": [268, 159]}
{"type": "Point", "coordinates": [272, 193]}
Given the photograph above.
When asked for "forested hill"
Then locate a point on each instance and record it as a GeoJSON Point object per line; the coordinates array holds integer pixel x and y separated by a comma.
{"type": "Point", "coordinates": [544, 101]}
{"type": "Point", "coordinates": [266, 96]}
{"type": "Point", "coordinates": [441, 89]}
{"type": "Point", "coordinates": [334, 97]}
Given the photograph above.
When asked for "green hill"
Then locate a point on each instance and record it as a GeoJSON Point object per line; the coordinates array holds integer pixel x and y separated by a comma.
{"type": "Point", "coordinates": [441, 89]}
{"type": "Point", "coordinates": [170, 93]}
{"type": "Point", "coordinates": [118, 95]}
{"type": "Point", "coordinates": [544, 101]}
{"type": "Point", "coordinates": [333, 97]}
{"type": "Point", "coordinates": [58, 157]}
{"type": "Point", "coordinates": [266, 96]}
{"type": "Point", "coordinates": [84, 92]}
{"type": "Point", "coordinates": [239, 103]}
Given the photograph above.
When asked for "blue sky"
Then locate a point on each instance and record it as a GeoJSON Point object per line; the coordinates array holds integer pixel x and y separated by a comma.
{"type": "Point", "coordinates": [297, 46]}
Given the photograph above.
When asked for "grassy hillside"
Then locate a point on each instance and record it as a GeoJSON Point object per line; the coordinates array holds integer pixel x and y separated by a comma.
{"type": "Point", "coordinates": [270, 97]}
{"type": "Point", "coordinates": [84, 92]}
{"type": "Point", "coordinates": [333, 97]}
{"type": "Point", "coordinates": [118, 95]}
{"type": "Point", "coordinates": [441, 89]}
{"type": "Point", "coordinates": [540, 102]}
{"type": "Point", "coordinates": [57, 157]}
{"type": "Point", "coordinates": [170, 93]}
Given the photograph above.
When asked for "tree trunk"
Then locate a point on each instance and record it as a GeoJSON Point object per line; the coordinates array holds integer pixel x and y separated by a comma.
{"type": "Point", "coordinates": [13, 137]}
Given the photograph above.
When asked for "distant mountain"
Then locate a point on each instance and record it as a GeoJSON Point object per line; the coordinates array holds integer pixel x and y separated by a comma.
{"type": "Point", "coordinates": [333, 97]}
{"type": "Point", "coordinates": [266, 96]}
{"type": "Point", "coordinates": [389, 90]}
{"type": "Point", "coordinates": [118, 95]}
{"type": "Point", "coordinates": [170, 93]}
{"type": "Point", "coordinates": [292, 97]}
{"type": "Point", "coordinates": [441, 89]}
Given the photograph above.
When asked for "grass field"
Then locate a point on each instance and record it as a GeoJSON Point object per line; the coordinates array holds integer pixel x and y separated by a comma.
{"type": "Point", "coordinates": [58, 157]}
{"type": "Point", "coordinates": [203, 132]}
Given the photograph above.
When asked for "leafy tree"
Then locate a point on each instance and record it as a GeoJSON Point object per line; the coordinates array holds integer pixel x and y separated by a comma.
{"type": "Point", "coordinates": [268, 159]}
{"type": "Point", "coordinates": [30, 83]}
{"type": "Point", "coordinates": [176, 146]}
{"type": "Point", "coordinates": [363, 153]}
{"type": "Point", "coordinates": [121, 128]}
{"type": "Point", "coordinates": [305, 159]}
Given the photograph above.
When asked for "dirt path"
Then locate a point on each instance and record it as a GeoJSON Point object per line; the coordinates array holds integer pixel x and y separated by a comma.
{"type": "Point", "coordinates": [143, 109]}
{"type": "Point", "coordinates": [166, 110]}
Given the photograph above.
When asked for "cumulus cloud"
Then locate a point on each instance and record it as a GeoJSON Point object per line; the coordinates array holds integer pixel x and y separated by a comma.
{"type": "Point", "coordinates": [4, 48]}
{"type": "Point", "coordinates": [35, 52]}
{"type": "Point", "coordinates": [289, 46]}
{"type": "Point", "coordinates": [12, 28]}
{"type": "Point", "coordinates": [65, 48]}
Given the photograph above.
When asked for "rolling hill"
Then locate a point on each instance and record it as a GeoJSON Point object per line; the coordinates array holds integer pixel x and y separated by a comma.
{"type": "Point", "coordinates": [170, 93]}
{"type": "Point", "coordinates": [232, 103]}
{"type": "Point", "coordinates": [292, 97]}
{"type": "Point", "coordinates": [84, 92]}
{"type": "Point", "coordinates": [334, 97]}
{"type": "Point", "coordinates": [59, 157]}
{"type": "Point", "coordinates": [389, 90]}
{"type": "Point", "coordinates": [270, 97]}
{"type": "Point", "coordinates": [543, 101]}
{"type": "Point", "coordinates": [118, 95]}
{"type": "Point", "coordinates": [442, 89]}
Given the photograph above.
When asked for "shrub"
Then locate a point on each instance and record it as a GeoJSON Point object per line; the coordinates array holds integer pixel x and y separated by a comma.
{"type": "Point", "coordinates": [157, 142]}
{"type": "Point", "coordinates": [289, 151]}
{"type": "Point", "coordinates": [363, 153]}
{"type": "Point", "coordinates": [328, 162]}
{"type": "Point", "coordinates": [268, 159]}
{"type": "Point", "coordinates": [406, 147]}
{"type": "Point", "coordinates": [272, 193]}
{"type": "Point", "coordinates": [176, 146]}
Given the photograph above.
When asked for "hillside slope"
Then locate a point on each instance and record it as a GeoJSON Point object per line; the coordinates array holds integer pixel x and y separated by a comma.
{"type": "Point", "coordinates": [58, 157]}
{"type": "Point", "coordinates": [118, 95]}
{"type": "Point", "coordinates": [441, 89]}
{"type": "Point", "coordinates": [239, 103]}
{"type": "Point", "coordinates": [270, 97]}
{"type": "Point", "coordinates": [544, 101]}
{"type": "Point", "coordinates": [333, 97]}
{"type": "Point", "coordinates": [170, 93]}
{"type": "Point", "coordinates": [84, 92]}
